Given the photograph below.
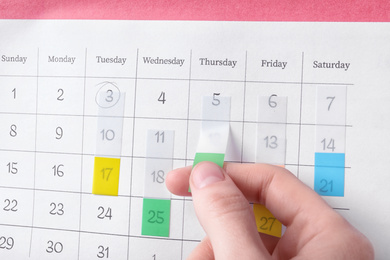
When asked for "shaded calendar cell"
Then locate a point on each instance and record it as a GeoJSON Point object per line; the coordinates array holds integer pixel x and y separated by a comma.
{"type": "Point", "coordinates": [271, 129]}
{"type": "Point", "coordinates": [18, 95]}
{"type": "Point", "coordinates": [218, 63]}
{"type": "Point", "coordinates": [17, 132]}
{"type": "Point", "coordinates": [217, 90]}
{"type": "Point", "coordinates": [138, 176]}
{"type": "Point", "coordinates": [271, 148]}
{"type": "Point", "coordinates": [157, 248]}
{"type": "Point", "coordinates": [331, 104]}
{"type": "Point", "coordinates": [329, 174]}
{"type": "Point", "coordinates": [16, 206]}
{"type": "Point", "coordinates": [54, 244]}
{"type": "Point", "coordinates": [106, 176]}
{"type": "Point", "coordinates": [143, 125]}
{"type": "Point", "coordinates": [330, 139]}
{"type": "Point", "coordinates": [214, 132]}
{"type": "Point", "coordinates": [329, 166]}
{"type": "Point", "coordinates": [17, 169]}
{"type": "Point", "coordinates": [233, 150]}
{"type": "Point", "coordinates": [99, 246]}
{"type": "Point", "coordinates": [95, 136]}
{"type": "Point", "coordinates": [161, 62]}
{"type": "Point", "coordinates": [16, 242]}
{"type": "Point", "coordinates": [58, 172]}
{"type": "Point", "coordinates": [60, 60]}
{"type": "Point", "coordinates": [105, 214]}
{"type": "Point", "coordinates": [159, 152]}
{"type": "Point", "coordinates": [271, 144]}
{"type": "Point", "coordinates": [162, 98]}
{"type": "Point", "coordinates": [99, 93]}
{"type": "Point", "coordinates": [111, 61]}
{"type": "Point", "coordinates": [266, 222]}
{"type": "Point", "coordinates": [156, 217]}
{"type": "Point", "coordinates": [175, 218]}
{"type": "Point", "coordinates": [155, 173]}
{"type": "Point", "coordinates": [56, 210]}
{"type": "Point", "coordinates": [276, 63]}
{"type": "Point", "coordinates": [64, 96]}
{"type": "Point", "coordinates": [109, 136]}
{"type": "Point", "coordinates": [124, 179]}
{"type": "Point", "coordinates": [59, 134]}
{"type": "Point", "coordinates": [269, 90]}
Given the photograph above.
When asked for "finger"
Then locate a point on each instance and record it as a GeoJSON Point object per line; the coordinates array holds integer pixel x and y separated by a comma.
{"type": "Point", "coordinates": [269, 242]}
{"type": "Point", "coordinates": [276, 188]}
{"type": "Point", "coordinates": [177, 181]}
{"type": "Point", "coordinates": [203, 251]}
{"type": "Point", "coordinates": [225, 214]}
{"type": "Point", "coordinates": [279, 190]}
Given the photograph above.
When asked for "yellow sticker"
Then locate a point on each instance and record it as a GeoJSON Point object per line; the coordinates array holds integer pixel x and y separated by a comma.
{"type": "Point", "coordinates": [106, 176]}
{"type": "Point", "coordinates": [266, 222]}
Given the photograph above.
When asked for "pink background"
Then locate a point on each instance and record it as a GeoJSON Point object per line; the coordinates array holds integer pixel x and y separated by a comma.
{"type": "Point", "coordinates": [228, 10]}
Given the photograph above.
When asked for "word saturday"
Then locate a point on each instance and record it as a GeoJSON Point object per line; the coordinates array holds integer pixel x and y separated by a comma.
{"type": "Point", "coordinates": [330, 65]}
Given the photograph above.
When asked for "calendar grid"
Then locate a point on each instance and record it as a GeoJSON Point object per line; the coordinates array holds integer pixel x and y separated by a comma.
{"type": "Point", "coordinates": [186, 151]}
{"type": "Point", "coordinates": [82, 151]}
{"type": "Point", "coordinates": [183, 79]}
{"type": "Point", "coordinates": [188, 119]}
{"type": "Point", "coordinates": [182, 119]}
{"type": "Point", "coordinates": [35, 154]}
{"type": "Point", "coordinates": [243, 110]}
{"type": "Point", "coordinates": [143, 157]}
{"type": "Point", "coordinates": [300, 116]}
{"type": "Point", "coordinates": [132, 149]}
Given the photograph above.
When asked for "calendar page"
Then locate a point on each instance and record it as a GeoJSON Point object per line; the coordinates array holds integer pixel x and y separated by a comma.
{"type": "Point", "coordinates": [94, 114]}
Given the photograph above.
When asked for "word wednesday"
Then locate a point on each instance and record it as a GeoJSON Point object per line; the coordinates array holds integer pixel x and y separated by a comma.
{"type": "Point", "coordinates": [62, 59]}
{"type": "Point", "coordinates": [225, 62]}
{"type": "Point", "coordinates": [174, 61]}
{"type": "Point", "coordinates": [330, 65]}
{"type": "Point", "coordinates": [14, 59]}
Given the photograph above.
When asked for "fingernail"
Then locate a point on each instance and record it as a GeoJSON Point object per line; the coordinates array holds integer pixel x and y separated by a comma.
{"type": "Point", "coordinates": [206, 173]}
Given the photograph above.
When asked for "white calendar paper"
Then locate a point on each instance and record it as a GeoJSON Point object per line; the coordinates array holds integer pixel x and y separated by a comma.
{"type": "Point", "coordinates": [78, 94]}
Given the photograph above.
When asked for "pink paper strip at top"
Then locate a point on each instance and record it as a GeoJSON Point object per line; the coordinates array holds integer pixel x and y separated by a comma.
{"type": "Point", "coordinates": [251, 10]}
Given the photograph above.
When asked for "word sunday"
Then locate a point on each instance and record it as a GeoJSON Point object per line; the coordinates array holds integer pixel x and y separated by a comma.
{"type": "Point", "coordinates": [18, 58]}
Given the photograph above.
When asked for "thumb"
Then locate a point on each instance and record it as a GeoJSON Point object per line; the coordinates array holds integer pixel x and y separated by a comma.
{"type": "Point", "coordinates": [225, 214]}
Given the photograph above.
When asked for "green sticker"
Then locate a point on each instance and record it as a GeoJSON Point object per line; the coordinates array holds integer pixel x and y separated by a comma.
{"type": "Point", "coordinates": [156, 217]}
{"type": "Point", "coordinates": [216, 158]}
